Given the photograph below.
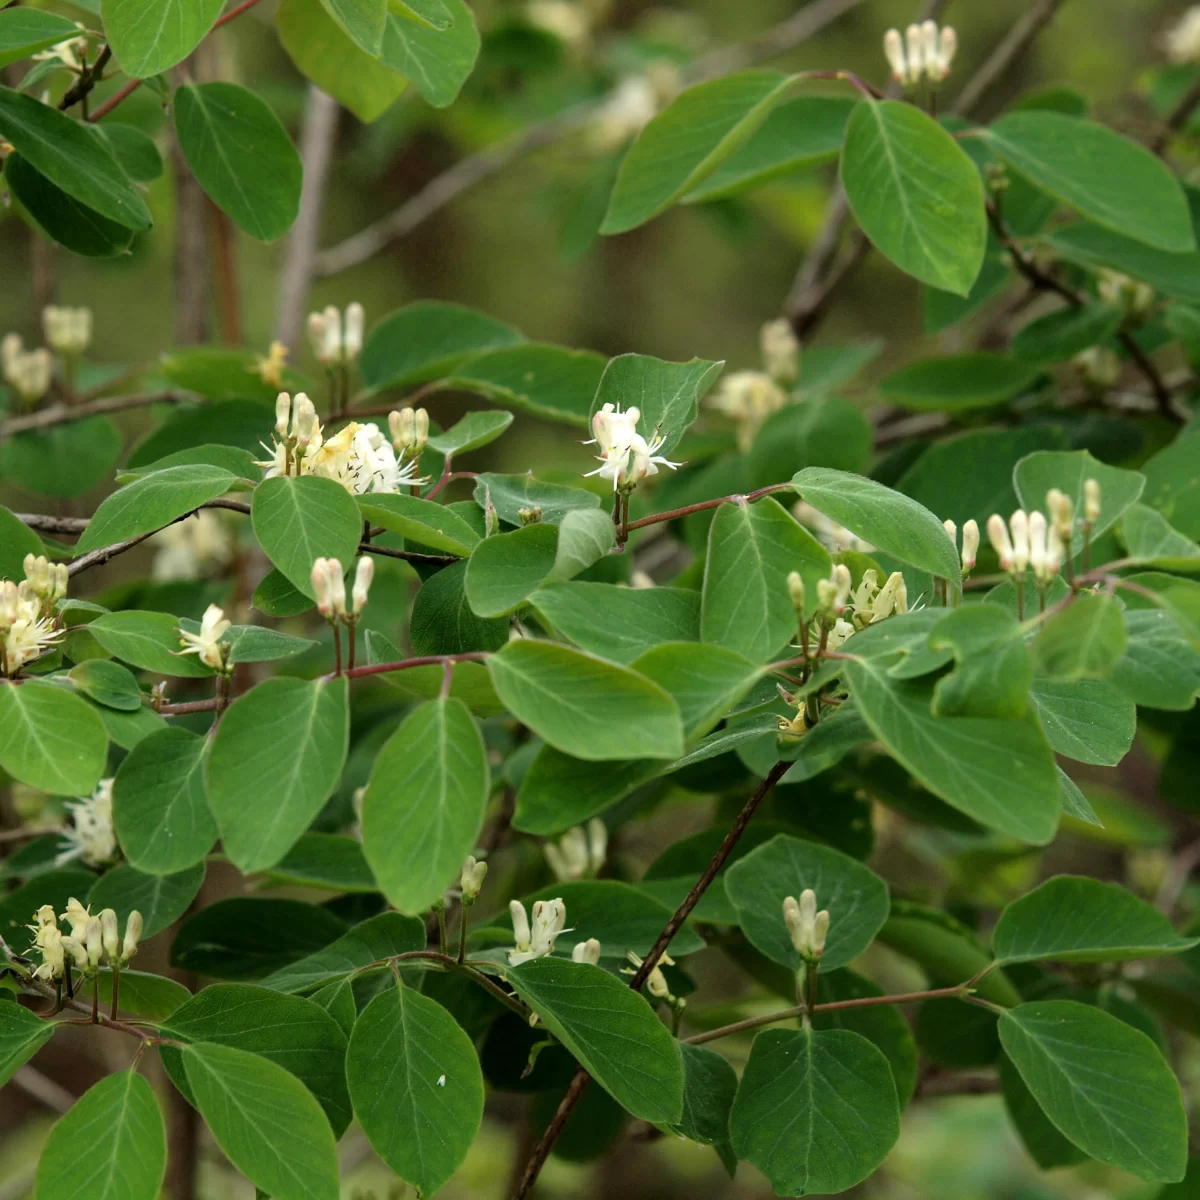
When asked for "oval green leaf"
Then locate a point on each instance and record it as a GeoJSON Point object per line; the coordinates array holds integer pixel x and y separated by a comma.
{"type": "Point", "coordinates": [151, 36]}
{"type": "Point", "coordinates": [50, 738]}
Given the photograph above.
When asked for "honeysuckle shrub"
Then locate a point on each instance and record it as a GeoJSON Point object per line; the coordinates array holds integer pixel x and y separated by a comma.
{"type": "Point", "coordinates": [422, 707]}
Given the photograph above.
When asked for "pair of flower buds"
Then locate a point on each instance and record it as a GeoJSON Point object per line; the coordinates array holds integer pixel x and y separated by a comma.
{"type": "Point", "coordinates": [970, 542]}
{"type": "Point", "coordinates": [329, 588]}
{"type": "Point", "coordinates": [296, 419]}
{"type": "Point", "coordinates": [924, 51]}
{"type": "Point", "coordinates": [334, 341]}
{"type": "Point", "coordinates": [807, 927]}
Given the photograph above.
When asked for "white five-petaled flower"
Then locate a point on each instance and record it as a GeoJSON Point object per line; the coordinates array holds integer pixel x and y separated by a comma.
{"type": "Point", "coordinates": [91, 839]}
{"type": "Point", "coordinates": [549, 920]}
{"type": "Point", "coordinates": [207, 643]}
{"type": "Point", "coordinates": [807, 927]}
{"type": "Point", "coordinates": [67, 330]}
{"type": "Point", "coordinates": [625, 456]}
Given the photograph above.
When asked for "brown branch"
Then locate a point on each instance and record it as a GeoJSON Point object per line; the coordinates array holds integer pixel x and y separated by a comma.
{"type": "Point", "coordinates": [412, 556]}
{"type": "Point", "coordinates": [427, 660]}
{"type": "Point", "coordinates": [28, 834]}
{"type": "Point", "coordinates": [189, 706]}
{"type": "Point", "coordinates": [688, 509]}
{"type": "Point", "coordinates": [87, 81]}
{"type": "Point", "coordinates": [580, 1079]}
{"type": "Point", "coordinates": [957, 1085]}
{"type": "Point", "coordinates": [62, 414]}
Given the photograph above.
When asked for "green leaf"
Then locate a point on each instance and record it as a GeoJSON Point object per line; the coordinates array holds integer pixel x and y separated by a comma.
{"type": "Point", "coordinates": [1172, 485]}
{"type": "Point", "coordinates": [256, 643]}
{"type": "Point", "coordinates": [442, 621]}
{"type": "Point", "coordinates": [327, 56]}
{"type": "Point", "coordinates": [547, 381]}
{"type": "Point", "coordinates": [1090, 246]}
{"type": "Point", "coordinates": [815, 1111]}
{"type": "Point", "coordinates": [50, 738]}
{"type": "Point", "coordinates": [618, 915]}
{"type": "Point", "coordinates": [428, 340]}
{"type": "Point", "coordinates": [368, 942]}
{"type": "Point", "coordinates": [956, 381]}
{"type": "Point", "coordinates": [877, 514]}
{"type": "Point", "coordinates": [424, 804]}
{"type": "Point", "coordinates": [16, 538]}
{"type": "Point", "coordinates": [326, 860]}
{"type": "Point", "coordinates": [797, 135]}
{"type": "Point", "coordinates": [1102, 1083]}
{"type": "Point", "coordinates": [1073, 919]}
{"type": "Point", "coordinates": [475, 430]}
{"type": "Point", "coordinates": [229, 377]}
{"type": "Point", "coordinates": [882, 1025]}
{"type": "Point", "coordinates": [134, 150]}
{"type": "Point", "coordinates": [1160, 669]}
{"type": "Point", "coordinates": [65, 460]}
{"type": "Point", "coordinates": [686, 142]}
{"type": "Point", "coordinates": [275, 760]}
{"type": "Point", "coordinates": [1059, 336]}
{"type": "Point", "coordinates": [161, 899]}
{"type": "Point", "coordinates": [993, 668]}
{"type": "Point", "coordinates": [916, 194]}
{"type": "Point", "coordinates": [709, 1085]}
{"type": "Point", "coordinates": [72, 224]}
{"type": "Point", "coordinates": [247, 938]}
{"type": "Point", "coordinates": [822, 432]}
{"type": "Point", "coordinates": [1151, 540]}
{"type": "Point", "coordinates": [856, 898]}
{"type": "Point", "coordinates": [293, 1155]}
{"type": "Point", "coordinates": [558, 791]}
{"type": "Point", "coordinates": [148, 640]}
{"type": "Point", "coordinates": [751, 549]}
{"type": "Point", "coordinates": [298, 520]}
{"type": "Point", "coordinates": [433, 525]}
{"type": "Point", "coordinates": [150, 36]}
{"type": "Point", "coordinates": [121, 1124]}
{"type": "Point", "coordinates": [1088, 720]}
{"type": "Point", "coordinates": [619, 623]}
{"type": "Point", "coordinates": [1103, 176]}
{"type": "Point", "coordinates": [140, 993]}
{"type": "Point", "coordinates": [1000, 772]}
{"type": "Point", "coordinates": [511, 493]}
{"type": "Point", "coordinates": [1045, 1145]}
{"type": "Point", "coordinates": [276, 596]}
{"type": "Point", "coordinates": [585, 536]}
{"type": "Point", "coordinates": [469, 681]}
{"type": "Point", "coordinates": [107, 683]}
{"type": "Point", "coordinates": [667, 394]}
{"type": "Point", "coordinates": [240, 155]}
{"type": "Point", "coordinates": [25, 31]}
{"type": "Point", "coordinates": [22, 1035]}
{"type": "Point", "coordinates": [584, 706]}
{"type": "Point", "coordinates": [505, 570]}
{"type": "Point", "coordinates": [1083, 641]}
{"type": "Point", "coordinates": [73, 157]}
{"type": "Point", "coordinates": [437, 62]}
{"type": "Point", "coordinates": [152, 502]}
{"type": "Point", "coordinates": [705, 681]}
{"type": "Point", "coordinates": [361, 20]}
{"type": "Point", "coordinates": [416, 1085]}
{"type": "Point", "coordinates": [289, 1031]}
{"type": "Point", "coordinates": [597, 1017]}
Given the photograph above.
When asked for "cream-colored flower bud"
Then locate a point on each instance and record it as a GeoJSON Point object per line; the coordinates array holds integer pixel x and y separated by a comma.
{"type": "Point", "coordinates": [93, 939]}
{"type": "Point", "coordinates": [337, 587]}
{"type": "Point", "coordinates": [780, 351]}
{"type": "Point", "coordinates": [110, 934]}
{"type": "Point", "coordinates": [947, 48]}
{"type": "Point", "coordinates": [133, 935]}
{"type": "Point", "coordinates": [471, 880]}
{"type": "Point", "coordinates": [1018, 523]}
{"type": "Point", "coordinates": [914, 48]}
{"type": "Point", "coordinates": [1058, 504]}
{"type": "Point", "coordinates": [893, 49]}
{"type": "Point", "coordinates": [841, 581]}
{"type": "Point", "coordinates": [11, 349]}
{"type": "Point", "coordinates": [807, 927]}
{"type": "Point", "coordinates": [46, 915]}
{"type": "Point", "coordinates": [363, 574]}
{"type": "Point", "coordinates": [970, 545]}
{"type": "Point", "coordinates": [76, 916]}
{"type": "Point", "coordinates": [322, 587]}
{"type": "Point", "coordinates": [587, 952]}
{"type": "Point", "coordinates": [333, 335]}
{"type": "Point", "coordinates": [1056, 551]}
{"type": "Point", "coordinates": [316, 335]}
{"type": "Point", "coordinates": [952, 530]}
{"type": "Point", "coordinates": [997, 532]}
{"type": "Point", "coordinates": [520, 923]}
{"type": "Point", "coordinates": [62, 577]}
{"type": "Point", "coordinates": [530, 516]}
{"type": "Point", "coordinates": [283, 413]}
{"type": "Point", "coordinates": [1091, 500]}
{"type": "Point", "coordinates": [1037, 545]}
{"type": "Point", "coordinates": [304, 423]}
{"type": "Point", "coordinates": [796, 592]}
{"type": "Point", "coordinates": [352, 341]}
{"type": "Point", "coordinates": [76, 949]}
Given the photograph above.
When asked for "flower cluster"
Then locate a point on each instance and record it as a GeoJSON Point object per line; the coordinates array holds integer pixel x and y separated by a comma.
{"type": "Point", "coordinates": [626, 457]}
{"type": "Point", "coordinates": [843, 610]}
{"type": "Point", "coordinates": [807, 927]}
{"type": "Point", "coordinates": [358, 456]}
{"type": "Point", "coordinates": [536, 940]}
{"type": "Point", "coordinates": [27, 372]}
{"type": "Point", "coordinates": [1133, 298]}
{"type": "Point", "coordinates": [28, 625]}
{"type": "Point", "coordinates": [336, 341]}
{"type": "Point", "coordinates": [192, 548]}
{"type": "Point", "coordinates": [90, 834]}
{"type": "Point", "coordinates": [923, 52]}
{"type": "Point", "coordinates": [329, 589]}
{"type": "Point", "coordinates": [68, 331]}
{"type": "Point", "coordinates": [93, 938]}
{"type": "Point", "coordinates": [579, 854]}
{"type": "Point", "coordinates": [750, 397]}
{"type": "Point", "coordinates": [207, 642]}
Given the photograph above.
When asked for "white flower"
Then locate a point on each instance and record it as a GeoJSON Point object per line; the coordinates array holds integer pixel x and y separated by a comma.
{"type": "Point", "coordinates": [77, 917]}
{"type": "Point", "coordinates": [807, 927]}
{"type": "Point", "coordinates": [838, 633]}
{"type": "Point", "coordinates": [830, 534]}
{"type": "Point", "coordinates": [780, 351]}
{"type": "Point", "coordinates": [133, 934]}
{"type": "Point", "coordinates": [336, 342]}
{"type": "Point", "coordinates": [409, 428]}
{"type": "Point", "coordinates": [626, 456]}
{"type": "Point", "coordinates": [749, 397]}
{"type": "Point", "coordinates": [549, 920]}
{"type": "Point", "coordinates": [67, 53]}
{"type": "Point", "coordinates": [998, 535]}
{"type": "Point", "coordinates": [656, 981]}
{"type": "Point", "coordinates": [67, 330]}
{"type": "Point", "coordinates": [329, 588]}
{"type": "Point", "coordinates": [471, 880]}
{"type": "Point", "coordinates": [630, 105]}
{"type": "Point", "coordinates": [24, 633]}
{"type": "Point", "coordinates": [923, 52]}
{"type": "Point", "coordinates": [586, 952]}
{"type": "Point", "coordinates": [109, 933]}
{"type": "Point", "coordinates": [207, 643]}
{"type": "Point", "coordinates": [11, 348]}
{"type": "Point", "coordinates": [834, 593]}
{"type": "Point", "coordinates": [564, 19]}
{"type": "Point", "coordinates": [50, 943]}
{"type": "Point", "coordinates": [191, 549]}
{"type": "Point", "coordinates": [363, 574]}
{"type": "Point", "coordinates": [28, 372]}
{"type": "Point", "coordinates": [90, 834]}
{"type": "Point", "coordinates": [1183, 40]}
{"type": "Point", "coordinates": [1018, 523]}
{"type": "Point", "coordinates": [1091, 501]}
{"type": "Point", "coordinates": [970, 546]}
{"type": "Point", "coordinates": [578, 854]}
{"type": "Point", "coordinates": [360, 458]}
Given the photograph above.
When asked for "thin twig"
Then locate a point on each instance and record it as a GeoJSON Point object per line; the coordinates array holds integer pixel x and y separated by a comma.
{"type": "Point", "coordinates": [87, 81]}
{"type": "Point", "coordinates": [427, 660]}
{"type": "Point", "coordinates": [412, 556]}
{"type": "Point", "coordinates": [189, 706]}
{"type": "Point", "coordinates": [688, 509]}
{"type": "Point", "coordinates": [1178, 118]}
{"type": "Point", "coordinates": [28, 834]}
{"type": "Point", "coordinates": [62, 414]}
